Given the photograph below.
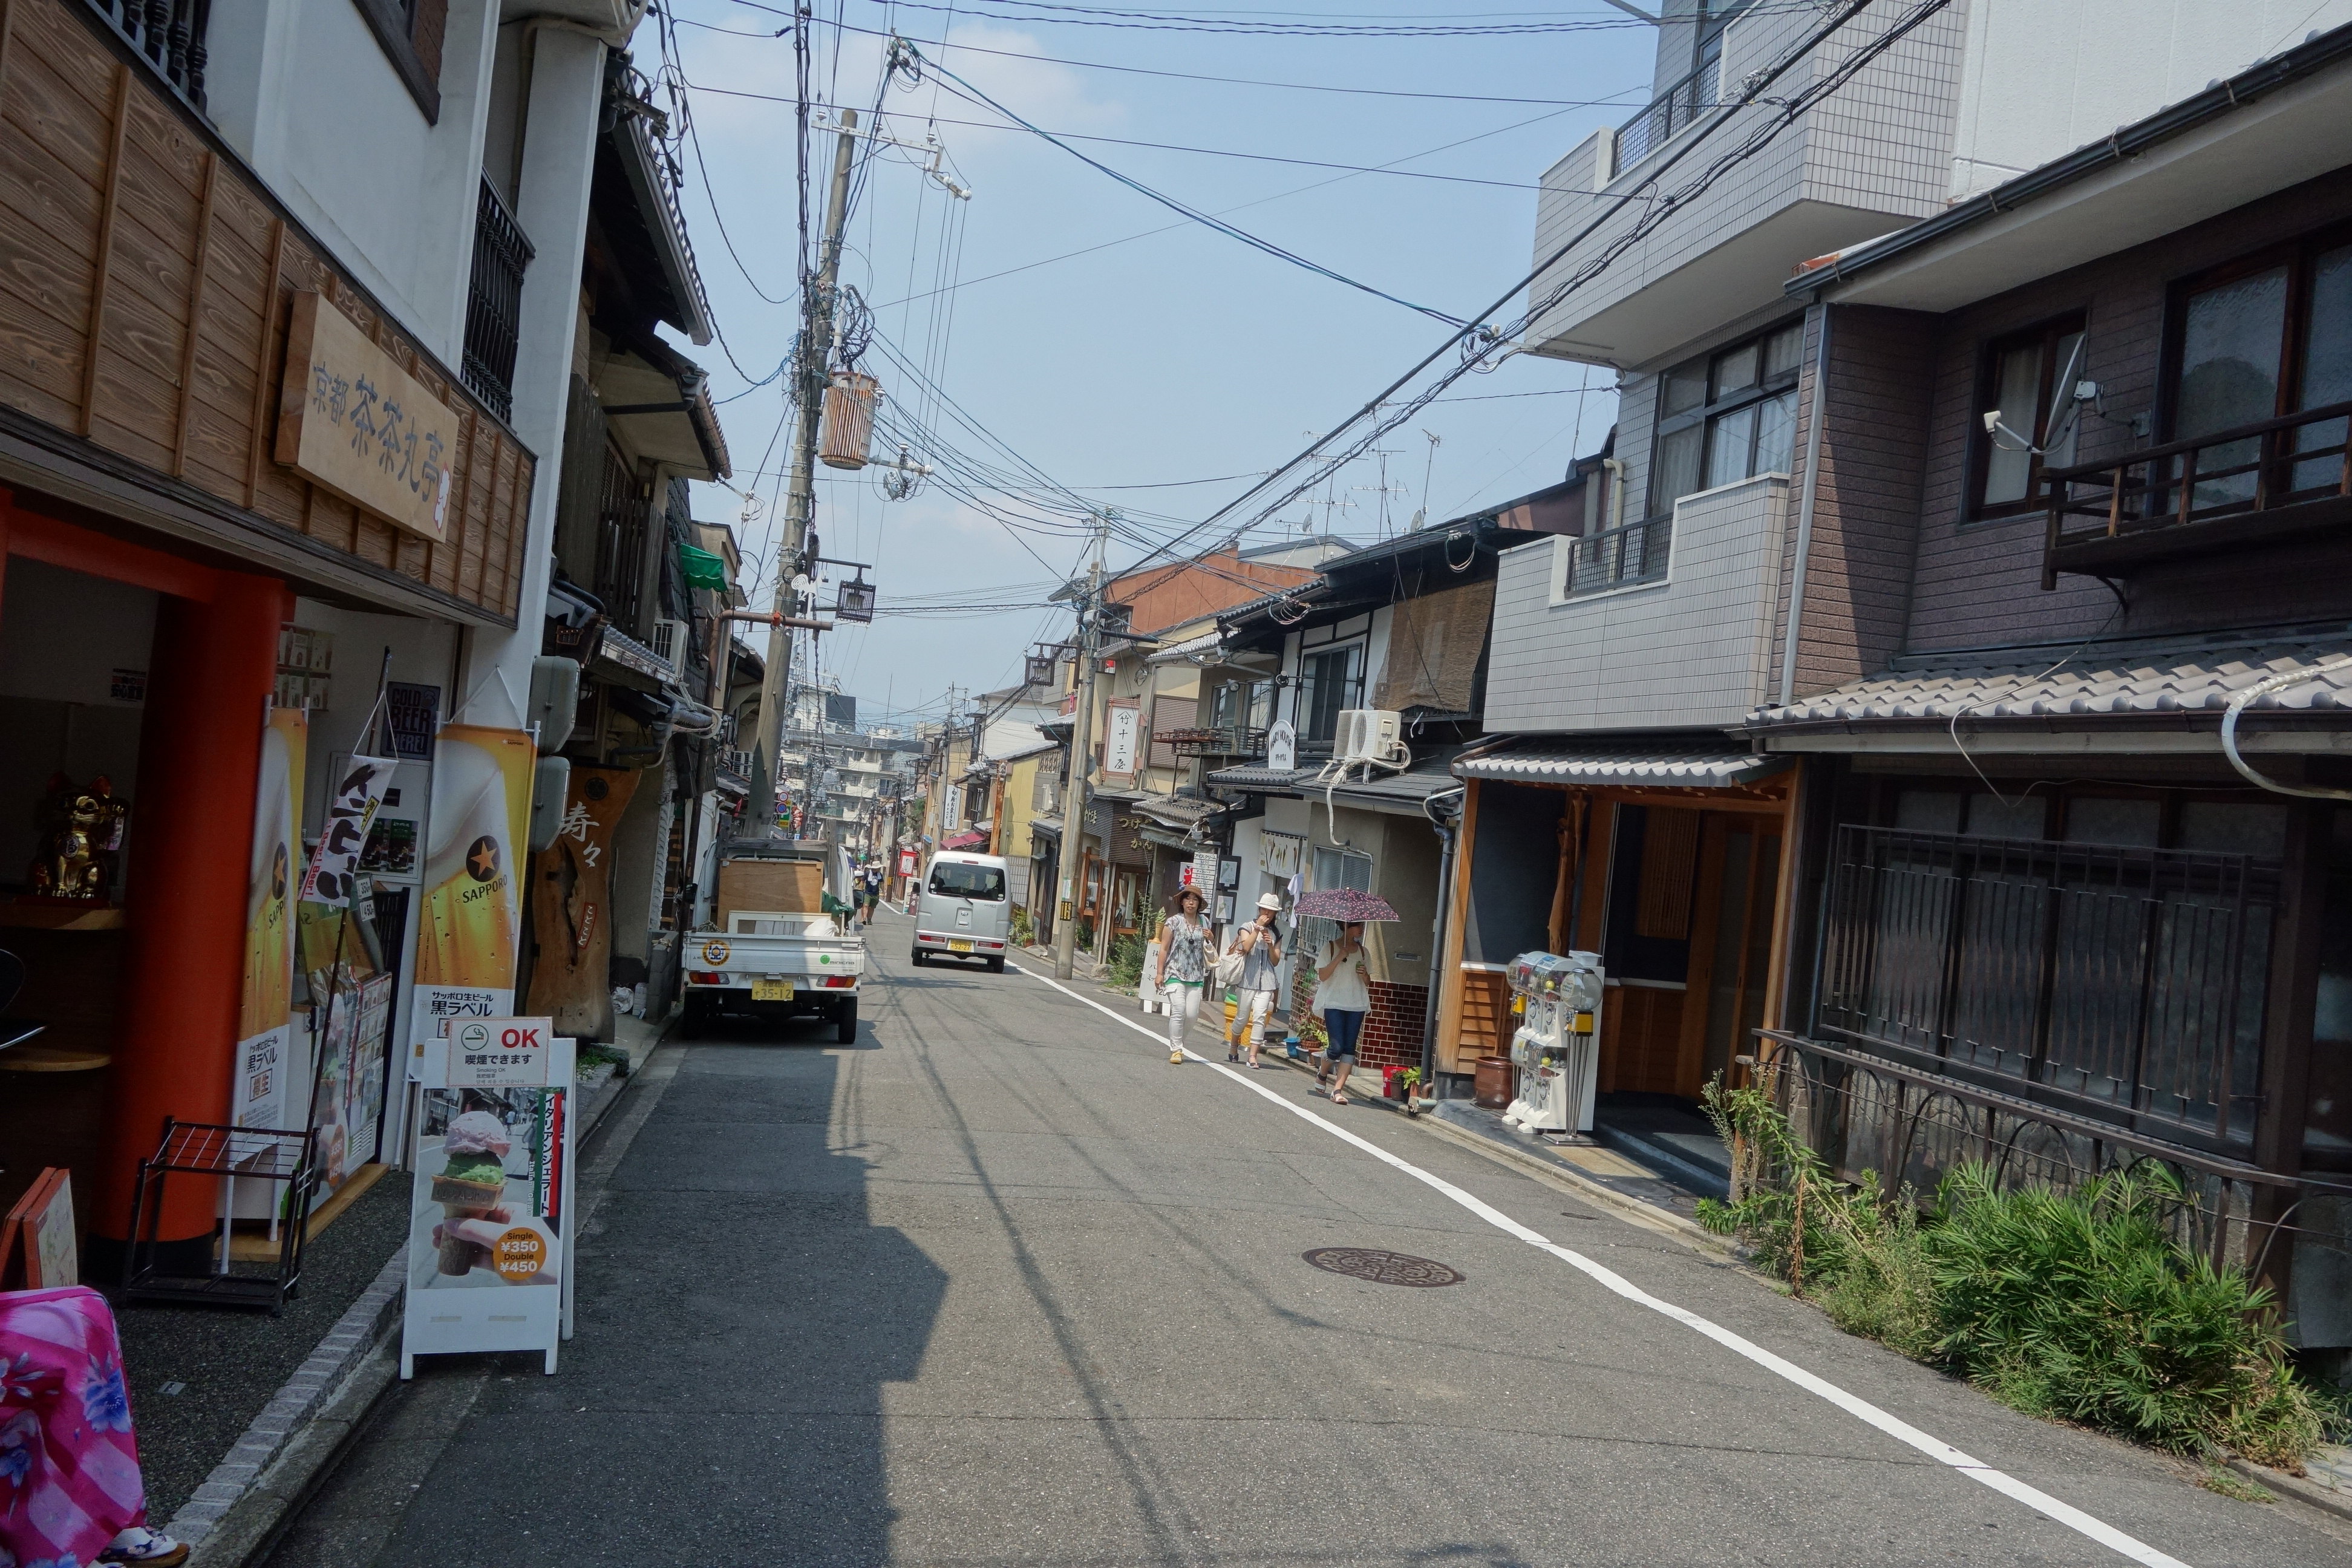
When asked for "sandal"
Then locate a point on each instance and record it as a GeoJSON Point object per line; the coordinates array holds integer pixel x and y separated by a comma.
{"type": "Point", "coordinates": [140, 1544]}
{"type": "Point", "coordinates": [1337, 1098]}
{"type": "Point", "coordinates": [1175, 1055]}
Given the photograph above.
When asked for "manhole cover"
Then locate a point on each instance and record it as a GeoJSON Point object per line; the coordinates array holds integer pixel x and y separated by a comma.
{"type": "Point", "coordinates": [1383, 1267]}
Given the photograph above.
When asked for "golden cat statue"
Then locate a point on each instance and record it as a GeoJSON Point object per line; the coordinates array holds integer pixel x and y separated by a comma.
{"type": "Point", "coordinates": [77, 858]}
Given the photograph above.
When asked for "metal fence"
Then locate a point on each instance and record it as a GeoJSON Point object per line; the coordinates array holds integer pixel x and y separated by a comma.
{"type": "Point", "coordinates": [1620, 557]}
{"type": "Point", "coordinates": [2125, 984]}
{"type": "Point", "coordinates": [168, 34]}
{"type": "Point", "coordinates": [1671, 112]}
{"type": "Point", "coordinates": [493, 301]}
{"type": "Point", "coordinates": [1914, 1128]}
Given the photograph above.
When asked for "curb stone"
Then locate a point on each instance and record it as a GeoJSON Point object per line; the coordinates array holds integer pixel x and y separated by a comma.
{"type": "Point", "coordinates": [365, 1324]}
{"type": "Point", "coordinates": [2326, 1499]}
{"type": "Point", "coordinates": [257, 1483]}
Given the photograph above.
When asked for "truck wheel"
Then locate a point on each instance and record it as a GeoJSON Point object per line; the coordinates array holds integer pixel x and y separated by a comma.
{"type": "Point", "coordinates": [916, 958]}
{"type": "Point", "coordinates": [693, 1021]}
{"type": "Point", "coordinates": [996, 966]}
{"type": "Point", "coordinates": [844, 1024]}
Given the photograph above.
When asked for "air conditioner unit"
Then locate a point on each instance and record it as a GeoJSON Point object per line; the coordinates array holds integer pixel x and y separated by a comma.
{"type": "Point", "coordinates": [669, 642]}
{"type": "Point", "coordinates": [1368, 735]}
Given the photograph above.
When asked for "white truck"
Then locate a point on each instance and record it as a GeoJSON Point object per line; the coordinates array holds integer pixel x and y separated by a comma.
{"type": "Point", "coordinates": [777, 947]}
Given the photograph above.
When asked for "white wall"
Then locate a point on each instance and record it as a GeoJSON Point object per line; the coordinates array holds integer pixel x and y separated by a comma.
{"type": "Point", "coordinates": [1695, 649]}
{"type": "Point", "coordinates": [2045, 77]}
{"type": "Point", "coordinates": [303, 90]}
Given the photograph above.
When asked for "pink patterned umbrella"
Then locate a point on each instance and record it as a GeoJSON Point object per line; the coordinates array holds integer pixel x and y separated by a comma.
{"type": "Point", "coordinates": [1344, 905]}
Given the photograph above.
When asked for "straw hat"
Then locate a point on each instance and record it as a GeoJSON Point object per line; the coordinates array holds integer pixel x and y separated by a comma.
{"type": "Point", "coordinates": [1270, 901]}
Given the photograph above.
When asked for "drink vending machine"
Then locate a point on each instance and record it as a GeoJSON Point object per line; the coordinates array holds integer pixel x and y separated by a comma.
{"type": "Point", "coordinates": [1557, 1046]}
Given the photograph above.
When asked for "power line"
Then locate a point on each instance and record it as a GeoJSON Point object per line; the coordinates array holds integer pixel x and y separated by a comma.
{"type": "Point", "coordinates": [1615, 101]}
{"type": "Point", "coordinates": [1788, 112]}
{"type": "Point", "coordinates": [1175, 147]}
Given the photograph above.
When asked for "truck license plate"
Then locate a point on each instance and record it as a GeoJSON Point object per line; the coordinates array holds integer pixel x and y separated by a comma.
{"type": "Point", "coordinates": [772, 990]}
{"type": "Point", "coordinates": [958, 945]}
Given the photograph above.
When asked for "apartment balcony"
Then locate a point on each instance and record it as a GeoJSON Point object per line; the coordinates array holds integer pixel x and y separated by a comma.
{"type": "Point", "coordinates": [1873, 157]}
{"type": "Point", "coordinates": [1664, 623]}
{"type": "Point", "coordinates": [2262, 483]}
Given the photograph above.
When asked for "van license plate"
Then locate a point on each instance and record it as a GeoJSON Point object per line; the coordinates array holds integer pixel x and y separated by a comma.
{"type": "Point", "coordinates": [771, 990]}
{"type": "Point", "coordinates": [955, 944]}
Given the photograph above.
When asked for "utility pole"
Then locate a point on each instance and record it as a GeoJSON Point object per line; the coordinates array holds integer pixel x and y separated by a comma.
{"type": "Point", "coordinates": [810, 376]}
{"type": "Point", "coordinates": [1074, 813]}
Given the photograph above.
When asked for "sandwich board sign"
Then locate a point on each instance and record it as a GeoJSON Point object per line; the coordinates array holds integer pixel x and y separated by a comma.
{"type": "Point", "coordinates": [489, 1234]}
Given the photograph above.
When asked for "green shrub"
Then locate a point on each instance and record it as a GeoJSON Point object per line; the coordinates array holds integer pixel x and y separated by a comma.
{"type": "Point", "coordinates": [1124, 970]}
{"type": "Point", "coordinates": [1023, 932]}
{"type": "Point", "coordinates": [2076, 1306]}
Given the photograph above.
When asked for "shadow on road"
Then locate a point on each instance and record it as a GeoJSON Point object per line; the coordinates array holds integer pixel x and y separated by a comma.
{"type": "Point", "coordinates": [739, 1314]}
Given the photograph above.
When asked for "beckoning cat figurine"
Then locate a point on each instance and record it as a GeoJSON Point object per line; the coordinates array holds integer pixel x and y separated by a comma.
{"type": "Point", "coordinates": [77, 858]}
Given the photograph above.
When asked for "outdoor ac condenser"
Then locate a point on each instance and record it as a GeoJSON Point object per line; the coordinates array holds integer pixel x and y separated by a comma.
{"type": "Point", "coordinates": [1368, 735]}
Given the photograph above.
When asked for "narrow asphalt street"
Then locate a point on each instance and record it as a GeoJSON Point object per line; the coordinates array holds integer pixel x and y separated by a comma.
{"type": "Point", "coordinates": [1000, 1284]}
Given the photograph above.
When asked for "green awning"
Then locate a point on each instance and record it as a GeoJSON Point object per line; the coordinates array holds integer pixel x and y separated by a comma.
{"type": "Point", "coordinates": [702, 569]}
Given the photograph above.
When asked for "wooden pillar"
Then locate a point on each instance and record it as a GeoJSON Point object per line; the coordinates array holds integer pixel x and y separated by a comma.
{"type": "Point", "coordinates": [211, 674]}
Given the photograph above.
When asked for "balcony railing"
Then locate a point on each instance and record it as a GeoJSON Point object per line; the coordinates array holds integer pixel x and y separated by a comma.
{"type": "Point", "coordinates": [1620, 557]}
{"type": "Point", "coordinates": [168, 34]}
{"type": "Point", "coordinates": [2270, 478]}
{"type": "Point", "coordinates": [1670, 113]}
{"type": "Point", "coordinates": [2122, 984]}
{"type": "Point", "coordinates": [1217, 740]}
{"type": "Point", "coordinates": [493, 301]}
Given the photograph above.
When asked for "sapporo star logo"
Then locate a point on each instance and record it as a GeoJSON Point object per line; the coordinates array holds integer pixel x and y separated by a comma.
{"type": "Point", "coordinates": [482, 860]}
{"type": "Point", "coordinates": [278, 872]}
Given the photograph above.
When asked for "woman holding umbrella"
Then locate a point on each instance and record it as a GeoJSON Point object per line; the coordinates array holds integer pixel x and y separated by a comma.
{"type": "Point", "coordinates": [1343, 993]}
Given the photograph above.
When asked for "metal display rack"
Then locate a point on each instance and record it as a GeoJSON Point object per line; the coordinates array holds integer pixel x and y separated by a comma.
{"type": "Point", "coordinates": [234, 1155]}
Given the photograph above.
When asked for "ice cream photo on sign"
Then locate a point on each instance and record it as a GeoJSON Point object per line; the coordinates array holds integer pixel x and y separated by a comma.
{"type": "Point", "coordinates": [477, 1224]}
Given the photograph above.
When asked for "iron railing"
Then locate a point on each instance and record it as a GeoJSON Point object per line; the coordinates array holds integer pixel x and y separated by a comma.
{"type": "Point", "coordinates": [1620, 557]}
{"type": "Point", "coordinates": [493, 301]}
{"type": "Point", "coordinates": [2123, 985]}
{"type": "Point", "coordinates": [169, 35]}
{"type": "Point", "coordinates": [1673, 111]}
{"type": "Point", "coordinates": [1214, 740]}
{"type": "Point", "coordinates": [1915, 1127]}
{"type": "Point", "coordinates": [2244, 471]}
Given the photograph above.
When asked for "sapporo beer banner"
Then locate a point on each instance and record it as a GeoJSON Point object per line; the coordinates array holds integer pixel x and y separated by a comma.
{"type": "Point", "coordinates": [489, 1216]}
{"type": "Point", "coordinates": [257, 1095]}
{"type": "Point", "coordinates": [472, 925]}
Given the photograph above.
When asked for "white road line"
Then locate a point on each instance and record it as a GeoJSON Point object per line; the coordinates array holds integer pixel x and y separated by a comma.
{"type": "Point", "coordinates": [1894, 1427]}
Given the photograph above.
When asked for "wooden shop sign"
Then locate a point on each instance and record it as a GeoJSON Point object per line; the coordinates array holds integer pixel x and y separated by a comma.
{"type": "Point", "coordinates": [350, 419]}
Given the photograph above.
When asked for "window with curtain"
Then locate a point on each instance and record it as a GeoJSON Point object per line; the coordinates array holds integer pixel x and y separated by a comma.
{"type": "Point", "coordinates": [1330, 680]}
{"type": "Point", "coordinates": [1726, 416]}
{"type": "Point", "coordinates": [2028, 379]}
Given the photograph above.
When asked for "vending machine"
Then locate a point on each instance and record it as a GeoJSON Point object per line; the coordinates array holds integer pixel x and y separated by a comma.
{"type": "Point", "coordinates": [1556, 1050]}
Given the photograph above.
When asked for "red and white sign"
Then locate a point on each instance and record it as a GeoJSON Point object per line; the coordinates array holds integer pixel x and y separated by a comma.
{"type": "Point", "coordinates": [906, 862]}
{"type": "Point", "coordinates": [500, 1053]}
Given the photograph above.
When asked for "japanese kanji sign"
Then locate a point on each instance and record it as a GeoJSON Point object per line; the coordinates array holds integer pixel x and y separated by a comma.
{"type": "Point", "coordinates": [350, 808]}
{"type": "Point", "coordinates": [350, 419]}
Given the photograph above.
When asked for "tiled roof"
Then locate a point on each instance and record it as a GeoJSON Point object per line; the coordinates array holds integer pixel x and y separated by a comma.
{"type": "Point", "coordinates": [1176, 653]}
{"type": "Point", "coordinates": [2124, 678]}
{"type": "Point", "coordinates": [1567, 761]}
{"type": "Point", "coordinates": [1430, 774]}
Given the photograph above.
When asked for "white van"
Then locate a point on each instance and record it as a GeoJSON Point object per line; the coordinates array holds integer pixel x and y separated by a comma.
{"type": "Point", "coordinates": [965, 909]}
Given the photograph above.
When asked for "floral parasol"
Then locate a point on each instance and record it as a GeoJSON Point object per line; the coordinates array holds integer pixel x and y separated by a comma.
{"type": "Point", "coordinates": [1344, 905]}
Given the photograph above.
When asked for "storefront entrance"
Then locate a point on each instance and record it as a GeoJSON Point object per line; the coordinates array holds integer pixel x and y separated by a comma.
{"type": "Point", "coordinates": [1685, 931]}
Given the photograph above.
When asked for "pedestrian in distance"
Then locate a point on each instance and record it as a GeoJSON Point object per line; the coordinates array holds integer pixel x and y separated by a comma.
{"type": "Point", "coordinates": [1259, 947]}
{"type": "Point", "coordinates": [871, 880]}
{"type": "Point", "coordinates": [1343, 994]}
{"type": "Point", "coordinates": [1183, 967]}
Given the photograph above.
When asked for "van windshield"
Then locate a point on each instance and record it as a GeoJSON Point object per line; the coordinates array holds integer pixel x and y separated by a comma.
{"type": "Point", "coordinates": [957, 881]}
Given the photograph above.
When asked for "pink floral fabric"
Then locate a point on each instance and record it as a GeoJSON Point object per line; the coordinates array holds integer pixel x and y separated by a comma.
{"type": "Point", "coordinates": [68, 1468]}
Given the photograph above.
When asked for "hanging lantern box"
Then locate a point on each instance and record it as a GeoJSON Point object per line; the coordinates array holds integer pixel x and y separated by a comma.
{"type": "Point", "coordinates": [848, 429]}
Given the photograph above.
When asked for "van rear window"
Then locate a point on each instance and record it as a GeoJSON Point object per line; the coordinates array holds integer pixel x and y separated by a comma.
{"type": "Point", "coordinates": [957, 880]}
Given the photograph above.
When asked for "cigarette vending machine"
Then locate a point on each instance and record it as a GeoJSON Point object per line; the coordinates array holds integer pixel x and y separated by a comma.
{"type": "Point", "coordinates": [1557, 1046]}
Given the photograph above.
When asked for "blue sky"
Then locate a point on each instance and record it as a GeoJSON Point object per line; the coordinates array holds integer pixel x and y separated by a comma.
{"type": "Point", "coordinates": [1180, 355]}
